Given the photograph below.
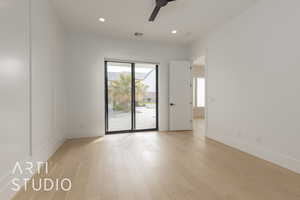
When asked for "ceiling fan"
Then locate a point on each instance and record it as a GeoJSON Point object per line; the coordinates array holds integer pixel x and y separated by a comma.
{"type": "Point", "coordinates": [159, 5]}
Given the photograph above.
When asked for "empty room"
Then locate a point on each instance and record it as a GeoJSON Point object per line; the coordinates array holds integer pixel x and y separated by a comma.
{"type": "Point", "coordinates": [149, 100]}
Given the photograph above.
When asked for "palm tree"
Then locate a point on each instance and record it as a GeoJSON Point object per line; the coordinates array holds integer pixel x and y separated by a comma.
{"type": "Point", "coordinates": [140, 92]}
{"type": "Point", "coordinates": [120, 92]}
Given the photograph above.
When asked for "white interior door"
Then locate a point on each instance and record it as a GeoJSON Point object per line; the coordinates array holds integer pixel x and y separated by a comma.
{"type": "Point", "coordinates": [180, 96]}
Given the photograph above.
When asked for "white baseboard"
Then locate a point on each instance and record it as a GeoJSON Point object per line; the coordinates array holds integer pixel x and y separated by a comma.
{"type": "Point", "coordinates": [260, 152]}
{"type": "Point", "coordinates": [78, 135]}
{"type": "Point", "coordinates": [6, 192]}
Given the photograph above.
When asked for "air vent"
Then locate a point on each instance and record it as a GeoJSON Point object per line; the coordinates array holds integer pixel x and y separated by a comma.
{"type": "Point", "coordinates": [138, 34]}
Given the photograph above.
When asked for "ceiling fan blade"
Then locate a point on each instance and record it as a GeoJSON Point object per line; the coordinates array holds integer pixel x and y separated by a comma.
{"type": "Point", "coordinates": [154, 13]}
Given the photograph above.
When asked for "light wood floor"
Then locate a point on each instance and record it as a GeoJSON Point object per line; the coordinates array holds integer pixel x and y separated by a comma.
{"type": "Point", "coordinates": [164, 166]}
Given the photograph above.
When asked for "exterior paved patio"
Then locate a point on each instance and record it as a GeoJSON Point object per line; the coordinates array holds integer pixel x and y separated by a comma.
{"type": "Point", "coordinates": [145, 119]}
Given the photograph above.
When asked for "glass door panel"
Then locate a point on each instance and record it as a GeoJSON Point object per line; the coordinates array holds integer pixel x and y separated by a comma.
{"type": "Point", "coordinates": [118, 96]}
{"type": "Point", "coordinates": [145, 96]}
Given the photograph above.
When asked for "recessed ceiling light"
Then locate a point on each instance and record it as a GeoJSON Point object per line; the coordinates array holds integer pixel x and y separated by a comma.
{"type": "Point", "coordinates": [101, 19]}
{"type": "Point", "coordinates": [174, 32]}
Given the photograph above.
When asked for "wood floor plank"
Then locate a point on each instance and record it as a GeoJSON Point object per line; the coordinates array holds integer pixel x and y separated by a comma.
{"type": "Point", "coordinates": [163, 166]}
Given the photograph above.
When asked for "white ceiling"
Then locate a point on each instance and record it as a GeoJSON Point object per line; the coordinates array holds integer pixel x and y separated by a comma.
{"type": "Point", "coordinates": [191, 18]}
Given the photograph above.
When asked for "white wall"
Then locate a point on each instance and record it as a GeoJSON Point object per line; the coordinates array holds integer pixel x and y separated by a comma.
{"type": "Point", "coordinates": [253, 82]}
{"type": "Point", "coordinates": [14, 87]}
{"type": "Point", "coordinates": [47, 85]}
{"type": "Point", "coordinates": [85, 77]}
{"type": "Point", "coordinates": [48, 95]}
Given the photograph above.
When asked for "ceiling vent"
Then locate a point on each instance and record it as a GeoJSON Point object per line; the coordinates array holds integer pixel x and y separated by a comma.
{"type": "Point", "coordinates": [138, 34]}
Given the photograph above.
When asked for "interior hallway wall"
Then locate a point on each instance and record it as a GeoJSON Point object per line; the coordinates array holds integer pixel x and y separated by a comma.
{"type": "Point", "coordinates": [253, 82]}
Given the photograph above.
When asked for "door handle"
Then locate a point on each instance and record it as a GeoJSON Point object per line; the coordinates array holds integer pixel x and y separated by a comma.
{"type": "Point", "coordinates": [172, 104]}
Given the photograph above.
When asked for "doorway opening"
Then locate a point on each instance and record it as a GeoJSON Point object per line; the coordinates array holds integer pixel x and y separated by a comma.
{"type": "Point", "coordinates": [131, 97]}
{"type": "Point", "coordinates": [199, 96]}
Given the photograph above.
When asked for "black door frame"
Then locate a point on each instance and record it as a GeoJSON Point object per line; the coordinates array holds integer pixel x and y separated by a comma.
{"type": "Point", "coordinates": [133, 108]}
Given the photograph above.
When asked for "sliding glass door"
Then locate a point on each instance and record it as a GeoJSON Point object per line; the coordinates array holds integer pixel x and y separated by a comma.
{"type": "Point", "coordinates": [145, 96]}
{"type": "Point", "coordinates": [119, 96]}
{"type": "Point", "coordinates": [131, 94]}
